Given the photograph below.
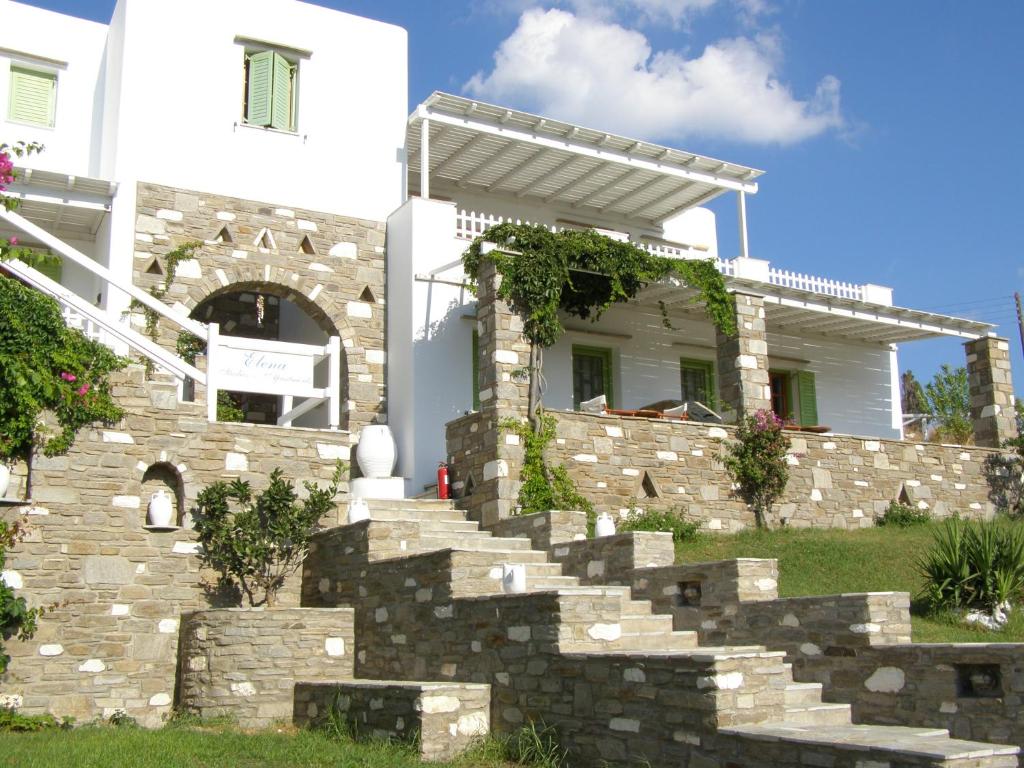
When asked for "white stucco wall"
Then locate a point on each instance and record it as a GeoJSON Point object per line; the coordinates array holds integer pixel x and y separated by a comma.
{"type": "Point", "coordinates": [181, 96]}
{"type": "Point", "coordinates": [853, 382]}
{"type": "Point", "coordinates": [73, 49]}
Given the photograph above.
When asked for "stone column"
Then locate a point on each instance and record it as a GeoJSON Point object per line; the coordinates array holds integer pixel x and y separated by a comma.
{"type": "Point", "coordinates": [991, 390]}
{"type": "Point", "coordinates": [743, 362]}
{"type": "Point", "coordinates": [504, 352]}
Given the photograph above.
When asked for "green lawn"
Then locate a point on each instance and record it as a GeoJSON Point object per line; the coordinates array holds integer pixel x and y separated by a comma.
{"type": "Point", "coordinates": [824, 562]}
{"type": "Point", "coordinates": [211, 747]}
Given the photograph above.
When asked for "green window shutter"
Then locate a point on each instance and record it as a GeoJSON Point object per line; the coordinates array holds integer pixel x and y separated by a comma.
{"type": "Point", "coordinates": [697, 379]}
{"type": "Point", "coordinates": [808, 398]}
{"type": "Point", "coordinates": [33, 96]}
{"type": "Point", "coordinates": [475, 368]}
{"type": "Point", "coordinates": [281, 111]}
{"type": "Point", "coordinates": [258, 88]}
{"type": "Point", "coordinates": [591, 375]}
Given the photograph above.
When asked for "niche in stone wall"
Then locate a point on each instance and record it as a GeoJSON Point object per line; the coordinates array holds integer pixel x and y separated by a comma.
{"type": "Point", "coordinates": [163, 477]}
{"type": "Point", "coordinates": [648, 488]}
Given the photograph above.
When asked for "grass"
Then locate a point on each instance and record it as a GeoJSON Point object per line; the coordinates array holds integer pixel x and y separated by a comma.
{"type": "Point", "coordinates": [221, 745]}
{"type": "Point", "coordinates": [825, 562]}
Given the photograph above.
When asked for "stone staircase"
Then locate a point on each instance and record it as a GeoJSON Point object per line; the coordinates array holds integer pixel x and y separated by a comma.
{"type": "Point", "coordinates": [590, 625]}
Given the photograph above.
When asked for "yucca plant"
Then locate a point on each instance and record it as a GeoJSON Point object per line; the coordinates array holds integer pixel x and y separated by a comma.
{"type": "Point", "coordinates": [974, 565]}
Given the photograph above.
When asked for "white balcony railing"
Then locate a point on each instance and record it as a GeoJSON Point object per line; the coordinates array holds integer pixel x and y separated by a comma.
{"type": "Point", "coordinates": [472, 224]}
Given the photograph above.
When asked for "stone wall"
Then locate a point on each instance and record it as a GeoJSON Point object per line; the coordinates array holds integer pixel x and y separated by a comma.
{"type": "Point", "coordinates": [243, 663]}
{"type": "Point", "coordinates": [111, 642]}
{"type": "Point", "coordinates": [613, 559]}
{"type": "Point", "coordinates": [543, 529]}
{"type": "Point", "coordinates": [835, 481]}
{"type": "Point", "coordinates": [331, 266]}
{"type": "Point", "coordinates": [443, 719]}
{"type": "Point", "coordinates": [975, 690]}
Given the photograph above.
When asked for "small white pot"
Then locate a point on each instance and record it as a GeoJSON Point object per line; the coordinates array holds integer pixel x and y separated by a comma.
{"type": "Point", "coordinates": [605, 525]}
{"type": "Point", "coordinates": [376, 451]}
{"type": "Point", "coordinates": [358, 510]}
{"type": "Point", "coordinates": [513, 579]}
{"type": "Point", "coordinates": [5, 479]}
{"type": "Point", "coordinates": [161, 509]}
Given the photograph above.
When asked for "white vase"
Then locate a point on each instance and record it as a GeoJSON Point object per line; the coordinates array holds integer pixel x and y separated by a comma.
{"type": "Point", "coordinates": [358, 510]}
{"type": "Point", "coordinates": [5, 479]}
{"type": "Point", "coordinates": [605, 525]}
{"type": "Point", "coordinates": [161, 509]}
{"type": "Point", "coordinates": [376, 451]}
{"type": "Point", "coordinates": [513, 579]}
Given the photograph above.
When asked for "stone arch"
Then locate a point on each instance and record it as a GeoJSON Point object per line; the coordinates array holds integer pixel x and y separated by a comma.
{"type": "Point", "coordinates": [154, 466]}
{"type": "Point", "coordinates": [326, 310]}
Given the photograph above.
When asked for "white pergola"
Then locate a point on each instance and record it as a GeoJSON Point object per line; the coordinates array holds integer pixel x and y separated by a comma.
{"type": "Point", "coordinates": [457, 143]}
{"type": "Point", "coordinates": [68, 206]}
{"type": "Point", "coordinates": [800, 312]}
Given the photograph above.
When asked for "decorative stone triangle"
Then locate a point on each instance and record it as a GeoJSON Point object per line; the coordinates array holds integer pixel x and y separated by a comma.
{"type": "Point", "coordinates": [223, 236]}
{"type": "Point", "coordinates": [367, 296]}
{"type": "Point", "coordinates": [154, 268]}
{"type": "Point", "coordinates": [265, 240]}
{"type": "Point", "coordinates": [306, 246]}
{"type": "Point", "coordinates": [648, 489]}
{"type": "Point", "coordinates": [470, 485]}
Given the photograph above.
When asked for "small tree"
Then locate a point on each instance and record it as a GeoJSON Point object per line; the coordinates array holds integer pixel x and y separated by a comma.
{"type": "Point", "coordinates": [53, 379]}
{"type": "Point", "coordinates": [948, 397]}
{"type": "Point", "coordinates": [756, 461]}
{"type": "Point", "coordinates": [256, 542]}
{"type": "Point", "coordinates": [912, 395]}
{"type": "Point", "coordinates": [16, 618]}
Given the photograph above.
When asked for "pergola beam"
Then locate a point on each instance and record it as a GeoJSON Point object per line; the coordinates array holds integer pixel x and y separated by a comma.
{"type": "Point", "coordinates": [517, 169]}
{"type": "Point", "coordinates": [621, 178]}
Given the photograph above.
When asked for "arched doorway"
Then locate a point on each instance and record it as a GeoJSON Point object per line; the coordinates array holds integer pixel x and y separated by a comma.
{"type": "Point", "coordinates": [269, 311]}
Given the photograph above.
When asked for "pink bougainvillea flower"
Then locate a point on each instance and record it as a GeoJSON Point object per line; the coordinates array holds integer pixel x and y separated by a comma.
{"type": "Point", "coordinates": [13, 241]}
{"type": "Point", "coordinates": [83, 389]}
{"type": "Point", "coordinates": [68, 376]}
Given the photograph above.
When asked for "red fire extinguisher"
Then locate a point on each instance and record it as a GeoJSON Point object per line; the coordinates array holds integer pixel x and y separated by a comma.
{"type": "Point", "coordinates": [444, 483]}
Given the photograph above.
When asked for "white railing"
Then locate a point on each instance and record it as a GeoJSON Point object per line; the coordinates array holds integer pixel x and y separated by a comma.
{"type": "Point", "coordinates": [240, 364]}
{"type": "Point", "coordinates": [815, 284]}
{"type": "Point", "coordinates": [472, 224]}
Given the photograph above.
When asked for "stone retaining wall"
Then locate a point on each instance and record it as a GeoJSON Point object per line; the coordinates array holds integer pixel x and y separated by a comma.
{"type": "Point", "coordinates": [835, 481]}
{"type": "Point", "coordinates": [443, 719]}
{"type": "Point", "coordinates": [543, 529]}
{"type": "Point", "coordinates": [613, 559]}
{"type": "Point", "coordinates": [111, 643]}
{"type": "Point", "coordinates": [928, 685]}
{"type": "Point", "coordinates": [244, 663]}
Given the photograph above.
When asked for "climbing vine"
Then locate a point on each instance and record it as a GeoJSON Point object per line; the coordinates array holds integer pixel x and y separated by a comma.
{"type": "Point", "coordinates": [543, 487]}
{"type": "Point", "coordinates": [183, 252]}
{"type": "Point", "coordinates": [583, 274]}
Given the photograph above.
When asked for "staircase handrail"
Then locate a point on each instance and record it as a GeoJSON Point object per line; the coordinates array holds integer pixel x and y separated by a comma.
{"type": "Point", "coordinates": [101, 318]}
{"type": "Point", "coordinates": [65, 250]}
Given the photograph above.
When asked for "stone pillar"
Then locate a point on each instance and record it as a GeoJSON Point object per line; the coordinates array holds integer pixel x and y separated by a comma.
{"type": "Point", "coordinates": [743, 362]}
{"type": "Point", "coordinates": [504, 352]}
{"type": "Point", "coordinates": [991, 390]}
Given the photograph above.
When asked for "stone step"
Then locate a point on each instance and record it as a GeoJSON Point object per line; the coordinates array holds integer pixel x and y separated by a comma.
{"type": "Point", "coordinates": [637, 608]}
{"type": "Point", "coordinates": [434, 505]}
{"type": "Point", "coordinates": [637, 642]}
{"type": "Point", "coordinates": [646, 624]}
{"type": "Point", "coordinates": [431, 524]}
{"type": "Point", "coordinates": [895, 745]}
{"type": "Point", "coordinates": [818, 714]}
{"type": "Point", "coordinates": [543, 583]}
{"type": "Point", "coordinates": [475, 540]}
{"type": "Point", "coordinates": [802, 694]}
{"type": "Point", "coordinates": [502, 556]}
{"type": "Point", "coordinates": [414, 515]}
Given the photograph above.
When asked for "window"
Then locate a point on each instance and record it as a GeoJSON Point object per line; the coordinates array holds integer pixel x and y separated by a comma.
{"type": "Point", "coordinates": [270, 86]}
{"type": "Point", "coordinates": [33, 96]}
{"type": "Point", "coordinates": [697, 381]}
{"type": "Point", "coordinates": [591, 374]}
{"type": "Point", "coordinates": [786, 384]}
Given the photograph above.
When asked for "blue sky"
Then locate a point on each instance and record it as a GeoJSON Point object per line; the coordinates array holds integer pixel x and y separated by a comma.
{"type": "Point", "coordinates": [890, 131]}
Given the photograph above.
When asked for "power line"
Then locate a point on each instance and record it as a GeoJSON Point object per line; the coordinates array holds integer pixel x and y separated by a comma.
{"type": "Point", "coordinates": [1000, 299]}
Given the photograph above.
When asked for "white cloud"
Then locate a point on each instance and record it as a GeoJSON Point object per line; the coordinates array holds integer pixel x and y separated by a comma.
{"type": "Point", "coordinates": [600, 74]}
{"type": "Point", "coordinates": [642, 12]}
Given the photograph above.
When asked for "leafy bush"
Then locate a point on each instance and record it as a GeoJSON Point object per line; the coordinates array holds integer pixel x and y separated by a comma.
{"type": "Point", "coordinates": [47, 369]}
{"type": "Point", "coordinates": [12, 722]}
{"type": "Point", "coordinates": [255, 543]}
{"type": "Point", "coordinates": [903, 515]}
{"type": "Point", "coordinates": [227, 409]}
{"type": "Point", "coordinates": [16, 618]}
{"type": "Point", "coordinates": [669, 521]}
{"type": "Point", "coordinates": [756, 461]}
{"type": "Point", "coordinates": [949, 401]}
{"type": "Point", "coordinates": [535, 745]}
{"type": "Point", "coordinates": [543, 487]}
{"type": "Point", "coordinates": [974, 565]}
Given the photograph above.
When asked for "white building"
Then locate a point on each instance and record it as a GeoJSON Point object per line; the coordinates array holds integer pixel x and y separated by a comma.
{"type": "Point", "coordinates": [277, 106]}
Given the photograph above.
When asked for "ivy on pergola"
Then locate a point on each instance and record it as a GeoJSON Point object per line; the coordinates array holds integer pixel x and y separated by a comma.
{"type": "Point", "coordinates": [583, 273]}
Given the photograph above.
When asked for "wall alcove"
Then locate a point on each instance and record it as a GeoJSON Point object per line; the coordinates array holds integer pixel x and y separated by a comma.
{"type": "Point", "coordinates": [163, 475]}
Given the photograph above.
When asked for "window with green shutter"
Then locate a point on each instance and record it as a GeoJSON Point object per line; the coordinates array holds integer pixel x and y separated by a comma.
{"type": "Point", "coordinates": [591, 374]}
{"type": "Point", "coordinates": [808, 398]}
{"type": "Point", "coordinates": [697, 381]}
{"type": "Point", "coordinates": [270, 90]}
{"type": "Point", "coordinates": [33, 97]}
